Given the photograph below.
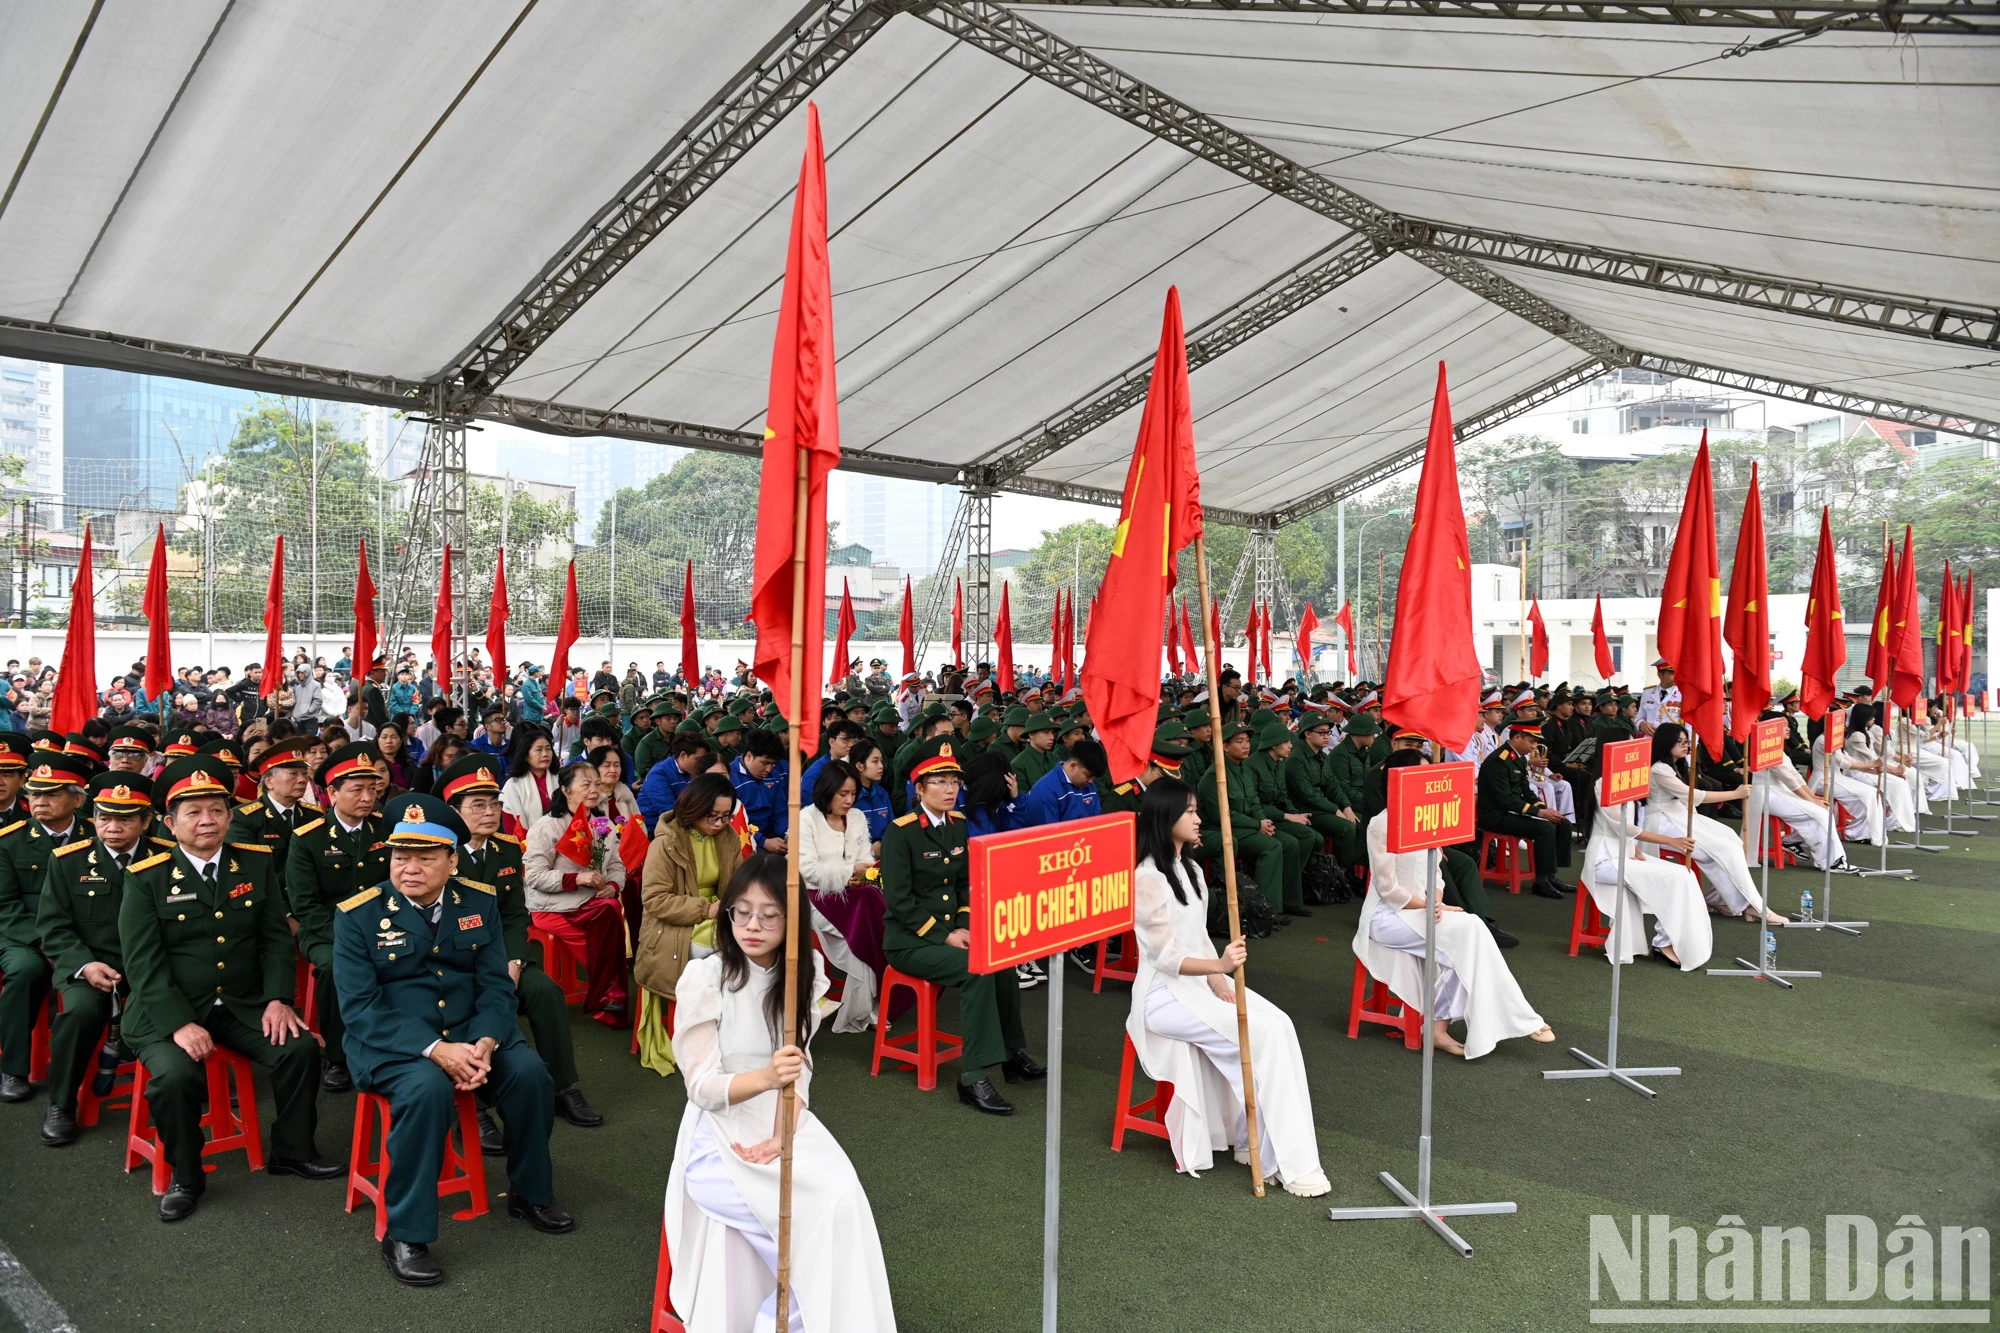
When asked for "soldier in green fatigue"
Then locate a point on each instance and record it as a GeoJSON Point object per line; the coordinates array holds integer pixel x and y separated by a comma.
{"type": "Point", "coordinates": [1200, 724]}
{"type": "Point", "coordinates": [15, 748]}
{"type": "Point", "coordinates": [1256, 837]}
{"type": "Point", "coordinates": [926, 726]}
{"type": "Point", "coordinates": [1011, 741]}
{"type": "Point", "coordinates": [927, 885]}
{"type": "Point", "coordinates": [1271, 745]}
{"type": "Point", "coordinates": [1037, 756]}
{"type": "Point", "coordinates": [422, 961]}
{"type": "Point", "coordinates": [885, 728]}
{"type": "Point", "coordinates": [1310, 785]}
{"type": "Point", "coordinates": [1074, 727]}
{"type": "Point", "coordinates": [1350, 762]}
{"type": "Point", "coordinates": [331, 859]}
{"type": "Point", "coordinates": [980, 734]}
{"type": "Point", "coordinates": [209, 959]}
{"type": "Point", "coordinates": [486, 856]}
{"type": "Point", "coordinates": [1508, 805]}
{"type": "Point", "coordinates": [638, 726]}
{"type": "Point", "coordinates": [1458, 867]}
{"type": "Point", "coordinates": [281, 805]}
{"type": "Point", "coordinates": [131, 747]}
{"type": "Point", "coordinates": [27, 846]}
{"type": "Point", "coordinates": [78, 920]}
{"type": "Point", "coordinates": [1169, 751]}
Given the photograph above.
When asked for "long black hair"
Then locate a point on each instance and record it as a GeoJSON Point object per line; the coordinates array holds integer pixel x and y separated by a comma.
{"type": "Point", "coordinates": [764, 870]}
{"type": "Point", "coordinates": [1161, 806]}
{"type": "Point", "coordinates": [986, 779]}
{"type": "Point", "coordinates": [1665, 737]}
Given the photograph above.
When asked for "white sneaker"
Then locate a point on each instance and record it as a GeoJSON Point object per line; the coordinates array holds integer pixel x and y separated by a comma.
{"type": "Point", "coordinates": [1310, 1187]}
{"type": "Point", "coordinates": [1027, 977]}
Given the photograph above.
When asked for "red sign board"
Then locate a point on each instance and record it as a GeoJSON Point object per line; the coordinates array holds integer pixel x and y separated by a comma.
{"type": "Point", "coordinates": [1983, 705]}
{"type": "Point", "coordinates": [1767, 744]}
{"type": "Point", "coordinates": [1430, 805]}
{"type": "Point", "coordinates": [1628, 771]}
{"type": "Point", "coordinates": [1920, 712]}
{"type": "Point", "coordinates": [1039, 891]}
{"type": "Point", "coordinates": [1836, 729]}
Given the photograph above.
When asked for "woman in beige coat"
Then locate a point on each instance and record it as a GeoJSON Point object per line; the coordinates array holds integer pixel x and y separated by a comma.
{"type": "Point", "coordinates": [694, 853]}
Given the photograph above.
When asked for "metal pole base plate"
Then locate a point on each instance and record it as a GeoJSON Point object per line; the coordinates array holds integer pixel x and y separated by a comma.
{"type": "Point", "coordinates": [1917, 847]}
{"type": "Point", "coordinates": [1434, 1214]}
{"type": "Point", "coordinates": [1813, 923]}
{"type": "Point", "coordinates": [1885, 870]}
{"type": "Point", "coordinates": [1753, 970]}
{"type": "Point", "coordinates": [1598, 1069]}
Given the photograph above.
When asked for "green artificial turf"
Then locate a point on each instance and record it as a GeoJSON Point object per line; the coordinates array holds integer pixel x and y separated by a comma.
{"type": "Point", "coordinates": [1871, 1090]}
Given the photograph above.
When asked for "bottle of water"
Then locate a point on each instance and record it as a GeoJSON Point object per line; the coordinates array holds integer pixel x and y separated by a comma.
{"type": "Point", "coordinates": [1805, 906]}
{"type": "Point", "coordinates": [1771, 950]}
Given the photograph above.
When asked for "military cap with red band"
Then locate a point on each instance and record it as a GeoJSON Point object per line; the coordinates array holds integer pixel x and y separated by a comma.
{"type": "Point", "coordinates": [356, 757]}
{"type": "Point", "coordinates": [934, 759]}
{"type": "Point", "coordinates": [53, 772]}
{"type": "Point", "coordinates": [468, 774]}
{"type": "Point", "coordinates": [190, 776]}
{"type": "Point", "coordinates": [15, 747]}
{"type": "Point", "coordinates": [287, 753]}
{"type": "Point", "coordinates": [121, 793]}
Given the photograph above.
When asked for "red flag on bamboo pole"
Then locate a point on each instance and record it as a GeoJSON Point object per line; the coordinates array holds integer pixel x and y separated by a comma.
{"type": "Point", "coordinates": [1691, 608]}
{"type": "Point", "coordinates": [1826, 632]}
{"type": "Point", "coordinates": [690, 633]}
{"type": "Point", "coordinates": [566, 634]}
{"type": "Point", "coordinates": [1069, 643]}
{"type": "Point", "coordinates": [843, 631]}
{"type": "Point", "coordinates": [75, 699]}
{"type": "Point", "coordinates": [958, 624]}
{"type": "Point", "coordinates": [1187, 640]}
{"type": "Point", "coordinates": [1308, 622]}
{"type": "Point", "coordinates": [1003, 645]}
{"type": "Point", "coordinates": [1747, 627]}
{"type": "Point", "coordinates": [1877, 666]}
{"type": "Point", "coordinates": [1173, 641]}
{"type": "Point", "coordinates": [1601, 643]}
{"type": "Point", "coordinates": [1538, 641]}
{"type": "Point", "coordinates": [1345, 622]}
{"type": "Point", "coordinates": [1158, 517]}
{"type": "Point", "coordinates": [497, 612]}
{"type": "Point", "coordinates": [906, 630]}
{"type": "Point", "coordinates": [1967, 613]}
{"type": "Point", "coordinates": [1906, 639]}
{"type": "Point", "coordinates": [159, 641]}
{"type": "Point", "coordinates": [1433, 678]}
{"type": "Point", "coordinates": [274, 621]}
{"type": "Point", "coordinates": [1945, 644]}
{"type": "Point", "coordinates": [801, 446]}
{"type": "Point", "coordinates": [365, 635]}
{"type": "Point", "coordinates": [1264, 638]}
{"type": "Point", "coordinates": [441, 623]}
{"type": "Point", "coordinates": [1250, 645]}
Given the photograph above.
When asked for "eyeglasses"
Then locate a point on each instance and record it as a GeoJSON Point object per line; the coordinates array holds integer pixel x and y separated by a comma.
{"type": "Point", "coordinates": [743, 916]}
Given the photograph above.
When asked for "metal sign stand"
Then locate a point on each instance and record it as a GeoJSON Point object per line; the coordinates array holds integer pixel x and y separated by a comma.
{"type": "Point", "coordinates": [1834, 814]}
{"type": "Point", "coordinates": [1052, 1147]}
{"type": "Point", "coordinates": [1916, 842]}
{"type": "Point", "coordinates": [1762, 967]}
{"type": "Point", "coordinates": [1608, 1066]}
{"type": "Point", "coordinates": [1882, 799]}
{"type": "Point", "coordinates": [1419, 1205]}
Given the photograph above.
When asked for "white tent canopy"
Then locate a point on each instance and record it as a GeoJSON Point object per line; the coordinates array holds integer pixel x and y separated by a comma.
{"type": "Point", "coordinates": [572, 214]}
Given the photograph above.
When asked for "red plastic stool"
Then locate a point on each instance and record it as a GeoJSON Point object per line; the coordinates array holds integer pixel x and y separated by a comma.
{"type": "Point", "coordinates": [635, 1022]}
{"type": "Point", "coordinates": [229, 1127]}
{"type": "Point", "coordinates": [563, 965]}
{"type": "Point", "coordinates": [305, 985]}
{"type": "Point", "coordinates": [664, 1318]}
{"type": "Point", "coordinates": [927, 1047]}
{"type": "Point", "coordinates": [1135, 1115]}
{"type": "Point", "coordinates": [1126, 964]}
{"type": "Point", "coordinates": [1587, 926]}
{"type": "Point", "coordinates": [1774, 849]}
{"type": "Point", "coordinates": [463, 1170]}
{"type": "Point", "coordinates": [38, 1044]}
{"type": "Point", "coordinates": [1507, 855]}
{"type": "Point", "coordinates": [89, 1106]}
{"type": "Point", "coordinates": [1373, 1002]}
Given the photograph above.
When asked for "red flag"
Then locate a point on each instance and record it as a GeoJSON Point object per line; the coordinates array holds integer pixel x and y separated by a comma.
{"type": "Point", "coordinates": [1003, 645]}
{"type": "Point", "coordinates": [690, 638]}
{"type": "Point", "coordinates": [1187, 640]}
{"type": "Point", "coordinates": [958, 625]}
{"type": "Point", "coordinates": [1600, 643]}
{"type": "Point", "coordinates": [1214, 631]}
{"type": "Point", "coordinates": [497, 612]}
{"type": "Point", "coordinates": [1747, 628]}
{"type": "Point", "coordinates": [159, 643]}
{"type": "Point", "coordinates": [1269, 674]}
{"type": "Point", "coordinates": [633, 844]}
{"type": "Point", "coordinates": [1826, 633]}
{"type": "Point", "coordinates": [566, 632]}
{"type": "Point", "coordinates": [274, 620]}
{"type": "Point", "coordinates": [1691, 608]}
{"type": "Point", "coordinates": [1307, 624]}
{"type": "Point", "coordinates": [364, 617]}
{"type": "Point", "coordinates": [745, 838]}
{"type": "Point", "coordinates": [1945, 644]}
{"type": "Point", "coordinates": [1069, 644]}
{"type": "Point", "coordinates": [1173, 641]}
{"type": "Point", "coordinates": [801, 439]}
{"type": "Point", "coordinates": [1906, 639]}
{"type": "Point", "coordinates": [75, 699]}
{"type": "Point", "coordinates": [906, 630]}
{"type": "Point", "coordinates": [1250, 644]}
{"type": "Point", "coordinates": [843, 630]}
{"type": "Point", "coordinates": [575, 840]}
{"type": "Point", "coordinates": [1345, 621]}
{"type": "Point", "coordinates": [441, 623]}
{"type": "Point", "coordinates": [1432, 682]}
{"type": "Point", "coordinates": [1967, 613]}
{"type": "Point", "coordinates": [1538, 642]}
{"type": "Point", "coordinates": [1877, 667]}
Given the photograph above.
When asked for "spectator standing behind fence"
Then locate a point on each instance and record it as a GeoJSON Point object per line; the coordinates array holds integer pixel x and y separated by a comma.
{"type": "Point", "coordinates": [403, 695]}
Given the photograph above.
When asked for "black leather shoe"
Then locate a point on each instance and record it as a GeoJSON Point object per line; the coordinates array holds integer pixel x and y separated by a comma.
{"type": "Point", "coordinates": [1501, 937]}
{"type": "Point", "coordinates": [1023, 1068]}
{"type": "Point", "coordinates": [982, 1096]}
{"type": "Point", "coordinates": [179, 1201]}
{"type": "Point", "coordinates": [58, 1126]}
{"type": "Point", "coordinates": [616, 1009]}
{"type": "Point", "coordinates": [491, 1142]}
{"type": "Point", "coordinates": [310, 1168]}
{"type": "Point", "coordinates": [541, 1216]}
{"type": "Point", "coordinates": [410, 1263]}
{"type": "Point", "coordinates": [571, 1106]}
{"type": "Point", "coordinates": [1298, 911]}
{"type": "Point", "coordinates": [334, 1078]}
{"type": "Point", "coordinates": [1542, 888]}
{"type": "Point", "coordinates": [15, 1089]}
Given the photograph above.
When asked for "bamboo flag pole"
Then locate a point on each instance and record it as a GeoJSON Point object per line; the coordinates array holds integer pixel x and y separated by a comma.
{"type": "Point", "coordinates": [1228, 855]}
{"type": "Point", "coordinates": [1524, 601]}
{"type": "Point", "coordinates": [795, 706]}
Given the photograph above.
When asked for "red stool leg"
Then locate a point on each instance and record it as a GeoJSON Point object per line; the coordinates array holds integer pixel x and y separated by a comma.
{"type": "Point", "coordinates": [1358, 999]}
{"type": "Point", "coordinates": [142, 1144]}
{"type": "Point", "coordinates": [358, 1157]}
{"type": "Point", "coordinates": [664, 1318]}
{"type": "Point", "coordinates": [464, 1167]}
{"type": "Point", "coordinates": [927, 1037]}
{"type": "Point", "coordinates": [1135, 1117]}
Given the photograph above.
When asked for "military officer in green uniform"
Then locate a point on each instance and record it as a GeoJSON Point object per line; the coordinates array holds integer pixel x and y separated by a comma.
{"type": "Point", "coordinates": [330, 860]}
{"type": "Point", "coordinates": [209, 959]}
{"type": "Point", "coordinates": [15, 748]}
{"type": "Point", "coordinates": [658, 742]}
{"type": "Point", "coordinates": [1255, 837]}
{"type": "Point", "coordinates": [131, 747]}
{"type": "Point", "coordinates": [1011, 739]}
{"type": "Point", "coordinates": [1169, 751]}
{"type": "Point", "coordinates": [421, 964]}
{"type": "Point", "coordinates": [1271, 747]}
{"type": "Point", "coordinates": [1352, 760]}
{"type": "Point", "coordinates": [281, 806]}
{"type": "Point", "coordinates": [1038, 751]}
{"type": "Point", "coordinates": [1200, 724]}
{"type": "Point", "coordinates": [926, 882]}
{"type": "Point", "coordinates": [78, 918]}
{"type": "Point", "coordinates": [471, 786]}
{"type": "Point", "coordinates": [728, 737]}
{"type": "Point", "coordinates": [55, 792]}
{"type": "Point", "coordinates": [1309, 782]}
{"type": "Point", "coordinates": [1508, 805]}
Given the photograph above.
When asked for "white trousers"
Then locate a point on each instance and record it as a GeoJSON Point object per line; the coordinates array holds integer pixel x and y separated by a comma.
{"type": "Point", "coordinates": [708, 1183]}
{"type": "Point", "coordinates": [1718, 854]}
{"type": "Point", "coordinates": [1807, 820]}
{"type": "Point", "coordinates": [1388, 927]}
{"type": "Point", "coordinates": [1176, 1022]}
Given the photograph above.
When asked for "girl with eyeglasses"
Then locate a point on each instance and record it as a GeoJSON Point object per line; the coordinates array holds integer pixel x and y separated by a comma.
{"type": "Point", "coordinates": [722, 1193]}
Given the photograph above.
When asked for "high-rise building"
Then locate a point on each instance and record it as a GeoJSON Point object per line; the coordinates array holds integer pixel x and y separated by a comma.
{"type": "Point", "coordinates": [137, 439]}
{"type": "Point", "coordinates": [31, 421]}
{"type": "Point", "coordinates": [905, 523]}
{"type": "Point", "coordinates": [598, 466]}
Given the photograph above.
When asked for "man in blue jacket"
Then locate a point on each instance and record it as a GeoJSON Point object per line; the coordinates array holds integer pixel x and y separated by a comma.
{"type": "Point", "coordinates": [664, 780]}
{"type": "Point", "coordinates": [758, 774]}
{"type": "Point", "coordinates": [1067, 791]}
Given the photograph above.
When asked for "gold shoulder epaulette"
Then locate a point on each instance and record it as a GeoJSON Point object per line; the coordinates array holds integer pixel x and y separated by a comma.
{"type": "Point", "coordinates": [959, 817]}
{"type": "Point", "coordinates": [507, 838]}
{"type": "Point", "coordinates": [1123, 789]}
{"type": "Point", "coordinates": [480, 885]}
{"type": "Point", "coordinates": [247, 807]}
{"type": "Point", "coordinates": [163, 842]}
{"type": "Point", "coordinates": [151, 861]}
{"type": "Point", "coordinates": [250, 847]}
{"type": "Point", "coordinates": [303, 829]}
{"type": "Point", "coordinates": [73, 847]}
{"type": "Point", "coordinates": [313, 805]}
{"type": "Point", "coordinates": [19, 823]}
{"type": "Point", "coordinates": [905, 820]}
{"type": "Point", "coordinates": [349, 904]}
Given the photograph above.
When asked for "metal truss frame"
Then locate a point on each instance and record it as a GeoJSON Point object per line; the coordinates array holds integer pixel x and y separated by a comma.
{"type": "Point", "coordinates": [437, 520]}
{"type": "Point", "coordinates": [1942, 16]}
{"type": "Point", "coordinates": [1818, 396]}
